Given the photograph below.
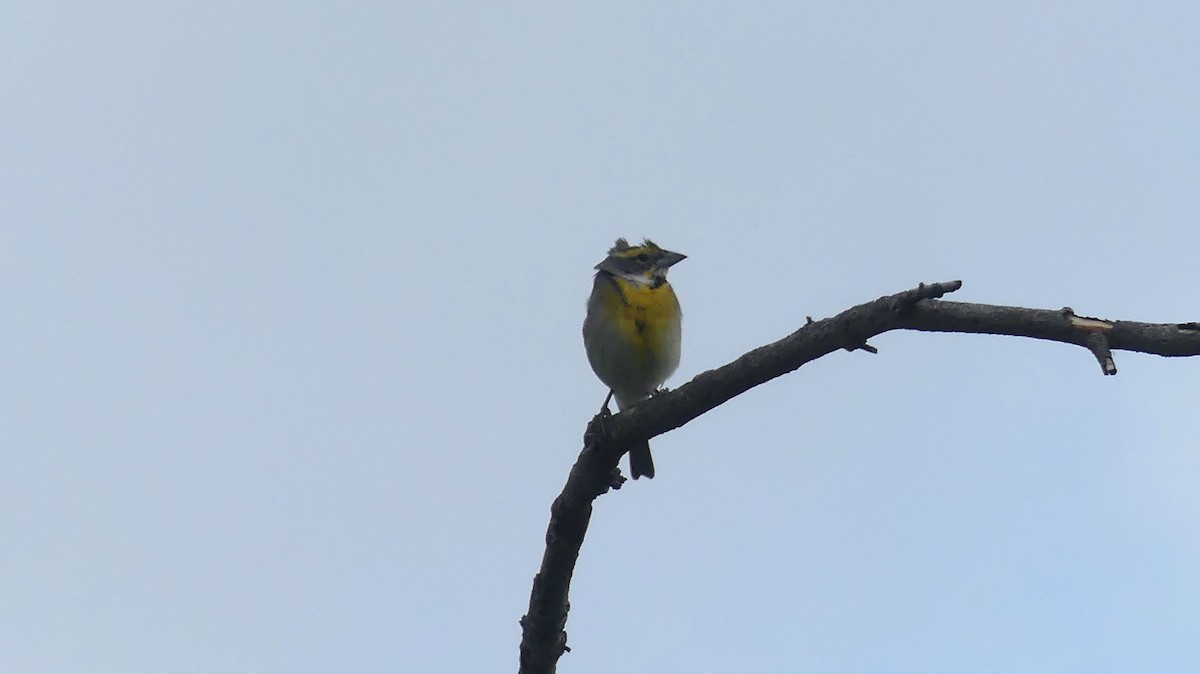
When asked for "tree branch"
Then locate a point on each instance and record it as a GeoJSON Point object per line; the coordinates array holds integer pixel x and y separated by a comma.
{"type": "Point", "coordinates": [544, 638]}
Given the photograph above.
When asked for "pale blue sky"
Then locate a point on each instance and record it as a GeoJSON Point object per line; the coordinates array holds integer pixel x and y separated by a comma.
{"type": "Point", "coordinates": [292, 366]}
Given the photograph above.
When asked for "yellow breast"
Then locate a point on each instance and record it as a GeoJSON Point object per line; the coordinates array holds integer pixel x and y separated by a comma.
{"type": "Point", "coordinates": [632, 334]}
{"type": "Point", "coordinates": [649, 318]}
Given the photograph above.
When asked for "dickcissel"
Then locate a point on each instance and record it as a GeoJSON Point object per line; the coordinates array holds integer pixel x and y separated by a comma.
{"type": "Point", "coordinates": [632, 330]}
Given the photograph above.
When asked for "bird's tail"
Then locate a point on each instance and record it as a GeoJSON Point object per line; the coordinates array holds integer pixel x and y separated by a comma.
{"type": "Point", "coordinates": [640, 462]}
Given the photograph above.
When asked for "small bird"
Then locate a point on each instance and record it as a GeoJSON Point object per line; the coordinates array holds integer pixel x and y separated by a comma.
{"type": "Point", "coordinates": [632, 330]}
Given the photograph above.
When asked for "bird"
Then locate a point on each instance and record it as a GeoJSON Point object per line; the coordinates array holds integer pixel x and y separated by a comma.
{"type": "Point", "coordinates": [632, 332]}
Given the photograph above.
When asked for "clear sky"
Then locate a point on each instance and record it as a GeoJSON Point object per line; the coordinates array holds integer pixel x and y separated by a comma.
{"type": "Point", "coordinates": [291, 364]}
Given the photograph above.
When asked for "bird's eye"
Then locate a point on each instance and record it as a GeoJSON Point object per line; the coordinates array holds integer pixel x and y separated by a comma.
{"type": "Point", "coordinates": [642, 257]}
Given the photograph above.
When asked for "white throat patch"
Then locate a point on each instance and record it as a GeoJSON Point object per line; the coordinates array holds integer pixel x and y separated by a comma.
{"type": "Point", "coordinates": [639, 278]}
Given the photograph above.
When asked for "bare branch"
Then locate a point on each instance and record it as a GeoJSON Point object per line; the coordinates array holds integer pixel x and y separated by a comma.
{"type": "Point", "coordinates": [1098, 345]}
{"type": "Point", "coordinates": [544, 638]}
{"type": "Point", "coordinates": [1160, 339]}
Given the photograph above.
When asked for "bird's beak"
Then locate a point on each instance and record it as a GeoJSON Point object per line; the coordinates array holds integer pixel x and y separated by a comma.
{"type": "Point", "coordinates": [668, 259]}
